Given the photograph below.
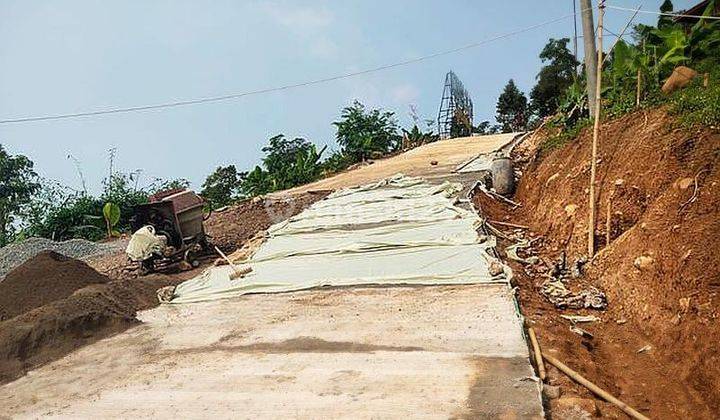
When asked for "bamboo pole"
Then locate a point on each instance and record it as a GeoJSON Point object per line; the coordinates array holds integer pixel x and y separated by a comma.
{"type": "Point", "coordinates": [512, 225]}
{"type": "Point", "coordinates": [607, 221]}
{"type": "Point", "coordinates": [538, 354]}
{"type": "Point", "coordinates": [596, 132]}
{"type": "Point", "coordinates": [594, 388]}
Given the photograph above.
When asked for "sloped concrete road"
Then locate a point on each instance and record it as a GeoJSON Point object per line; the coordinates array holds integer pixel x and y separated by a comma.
{"type": "Point", "coordinates": [354, 352]}
{"type": "Point", "coordinates": [372, 352]}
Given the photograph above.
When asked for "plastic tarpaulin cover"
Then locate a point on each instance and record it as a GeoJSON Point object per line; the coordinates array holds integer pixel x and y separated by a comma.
{"type": "Point", "coordinates": [400, 230]}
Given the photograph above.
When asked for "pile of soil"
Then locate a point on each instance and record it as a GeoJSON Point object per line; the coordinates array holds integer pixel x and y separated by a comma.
{"type": "Point", "coordinates": [659, 270]}
{"type": "Point", "coordinates": [59, 304]}
{"type": "Point", "coordinates": [47, 277]}
{"type": "Point", "coordinates": [94, 312]}
{"type": "Point", "coordinates": [230, 228]}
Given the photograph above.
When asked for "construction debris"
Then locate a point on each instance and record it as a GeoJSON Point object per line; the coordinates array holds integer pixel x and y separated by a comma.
{"type": "Point", "coordinates": [560, 296]}
{"type": "Point", "coordinates": [580, 318]}
{"type": "Point", "coordinates": [581, 332]}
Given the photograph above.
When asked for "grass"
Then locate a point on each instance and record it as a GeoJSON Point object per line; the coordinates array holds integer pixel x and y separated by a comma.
{"type": "Point", "coordinates": [696, 105]}
{"type": "Point", "coordinates": [564, 136]}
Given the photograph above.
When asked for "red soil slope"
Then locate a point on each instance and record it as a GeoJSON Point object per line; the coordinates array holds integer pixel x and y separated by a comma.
{"type": "Point", "coordinates": [663, 183]}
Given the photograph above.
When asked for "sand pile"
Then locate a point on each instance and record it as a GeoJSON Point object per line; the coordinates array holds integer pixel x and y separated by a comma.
{"type": "Point", "coordinates": [47, 277]}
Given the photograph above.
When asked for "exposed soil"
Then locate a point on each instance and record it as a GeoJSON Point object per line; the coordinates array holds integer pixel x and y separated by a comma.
{"type": "Point", "coordinates": [47, 277]}
{"type": "Point", "coordinates": [53, 304]}
{"type": "Point", "coordinates": [57, 328]}
{"type": "Point", "coordinates": [668, 299]}
{"type": "Point", "coordinates": [230, 228]}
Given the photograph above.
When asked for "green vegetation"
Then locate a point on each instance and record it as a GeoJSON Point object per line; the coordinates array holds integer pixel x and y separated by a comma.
{"type": "Point", "coordinates": [111, 213]}
{"type": "Point", "coordinates": [18, 184]}
{"type": "Point", "coordinates": [634, 72]}
{"type": "Point", "coordinates": [364, 134]}
{"type": "Point", "coordinates": [557, 74]}
{"type": "Point", "coordinates": [512, 109]}
{"type": "Point", "coordinates": [222, 187]}
{"type": "Point", "coordinates": [697, 105]}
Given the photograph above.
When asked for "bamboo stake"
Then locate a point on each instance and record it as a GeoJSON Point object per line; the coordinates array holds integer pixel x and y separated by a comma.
{"type": "Point", "coordinates": [538, 355]}
{"type": "Point", "coordinates": [607, 221]}
{"type": "Point", "coordinates": [637, 91]}
{"type": "Point", "coordinates": [512, 225]}
{"type": "Point", "coordinates": [596, 132]}
{"type": "Point", "coordinates": [594, 388]}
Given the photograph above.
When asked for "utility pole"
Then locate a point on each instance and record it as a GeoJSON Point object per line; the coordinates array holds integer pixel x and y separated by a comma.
{"type": "Point", "coordinates": [591, 62]}
{"type": "Point", "coordinates": [575, 33]}
{"type": "Point", "coordinates": [596, 133]}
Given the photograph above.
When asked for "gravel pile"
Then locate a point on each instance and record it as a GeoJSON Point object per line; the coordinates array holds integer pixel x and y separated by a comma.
{"type": "Point", "coordinates": [17, 253]}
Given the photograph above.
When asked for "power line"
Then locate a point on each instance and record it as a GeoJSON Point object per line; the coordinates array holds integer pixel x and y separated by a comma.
{"type": "Point", "coordinates": [663, 13]}
{"type": "Point", "coordinates": [279, 88]}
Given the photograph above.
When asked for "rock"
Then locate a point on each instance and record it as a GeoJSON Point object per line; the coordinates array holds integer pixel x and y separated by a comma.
{"type": "Point", "coordinates": [619, 182]}
{"type": "Point", "coordinates": [685, 183]}
{"type": "Point", "coordinates": [552, 392]}
{"type": "Point", "coordinates": [570, 209]}
{"type": "Point", "coordinates": [495, 268]}
{"type": "Point", "coordinates": [679, 78]}
{"type": "Point", "coordinates": [643, 262]}
{"type": "Point", "coordinates": [567, 402]}
{"type": "Point", "coordinates": [552, 178]}
{"type": "Point", "coordinates": [433, 162]}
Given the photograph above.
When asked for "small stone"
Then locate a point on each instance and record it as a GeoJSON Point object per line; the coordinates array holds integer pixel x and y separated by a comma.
{"type": "Point", "coordinates": [552, 392]}
{"type": "Point", "coordinates": [619, 182]}
{"type": "Point", "coordinates": [433, 162]}
{"type": "Point", "coordinates": [585, 404]}
{"type": "Point", "coordinates": [552, 178]}
{"type": "Point", "coordinates": [685, 183]}
{"type": "Point", "coordinates": [570, 209]}
{"type": "Point", "coordinates": [495, 268]}
{"type": "Point", "coordinates": [643, 262]}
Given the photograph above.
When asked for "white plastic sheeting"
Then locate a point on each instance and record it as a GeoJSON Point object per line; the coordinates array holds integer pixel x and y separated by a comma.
{"type": "Point", "coordinates": [398, 231]}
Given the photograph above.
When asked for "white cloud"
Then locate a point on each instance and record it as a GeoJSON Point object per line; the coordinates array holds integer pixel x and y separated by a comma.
{"type": "Point", "coordinates": [404, 94]}
{"type": "Point", "coordinates": [297, 18]}
{"type": "Point", "coordinates": [323, 47]}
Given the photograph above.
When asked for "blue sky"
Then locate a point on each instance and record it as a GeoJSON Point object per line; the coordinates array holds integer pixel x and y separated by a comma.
{"type": "Point", "coordinates": [70, 56]}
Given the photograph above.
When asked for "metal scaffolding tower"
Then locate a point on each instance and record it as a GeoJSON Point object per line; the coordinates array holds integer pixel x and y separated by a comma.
{"type": "Point", "coordinates": [455, 117]}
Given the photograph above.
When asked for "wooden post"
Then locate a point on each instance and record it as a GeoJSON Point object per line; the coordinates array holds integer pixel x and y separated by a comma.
{"type": "Point", "coordinates": [591, 64]}
{"type": "Point", "coordinates": [538, 354]}
{"type": "Point", "coordinates": [596, 132]}
{"type": "Point", "coordinates": [607, 221]}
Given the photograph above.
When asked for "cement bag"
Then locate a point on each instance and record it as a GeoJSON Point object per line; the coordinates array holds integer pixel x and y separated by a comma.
{"type": "Point", "coordinates": [144, 243]}
{"type": "Point", "coordinates": [503, 178]}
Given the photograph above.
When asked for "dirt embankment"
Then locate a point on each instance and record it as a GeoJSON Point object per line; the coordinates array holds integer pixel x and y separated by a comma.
{"type": "Point", "coordinates": [660, 270]}
{"type": "Point", "coordinates": [230, 228]}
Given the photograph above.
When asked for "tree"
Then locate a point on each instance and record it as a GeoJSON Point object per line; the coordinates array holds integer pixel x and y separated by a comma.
{"type": "Point", "coordinates": [18, 183]}
{"type": "Point", "coordinates": [415, 137]}
{"type": "Point", "coordinates": [287, 163]}
{"type": "Point", "coordinates": [663, 20]}
{"type": "Point", "coordinates": [484, 128]}
{"type": "Point", "coordinates": [362, 134]}
{"type": "Point", "coordinates": [222, 186]}
{"type": "Point", "coordinates": [554, 78]}
{"type": "Point", "coordinates": [511, 109]}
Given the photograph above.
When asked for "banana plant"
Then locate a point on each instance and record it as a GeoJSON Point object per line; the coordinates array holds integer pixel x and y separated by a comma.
{"type": "Point", "coordinates": [111, 213]}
